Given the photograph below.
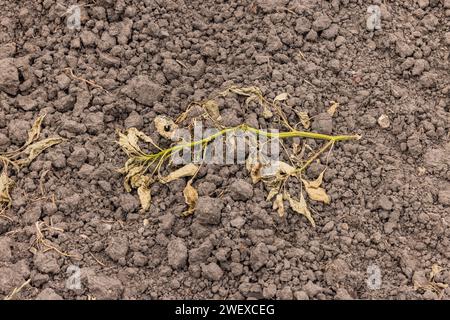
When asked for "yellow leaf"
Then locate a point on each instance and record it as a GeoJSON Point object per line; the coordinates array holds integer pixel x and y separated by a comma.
{"type": "Point", "coordinates": [301, 207]}
{"type": "Point", "coordinates": [165, 127]}
{"type": "Point", "coordinates": [190, 197]}
{"type": "Point", "coordinates": [332, 109]}
{"type": "Point", "coordinates": [279, 205]}
{"type": "Point", "coordinates": [186, 171]}
{"type": "Point", "coordinates": [304, 119]}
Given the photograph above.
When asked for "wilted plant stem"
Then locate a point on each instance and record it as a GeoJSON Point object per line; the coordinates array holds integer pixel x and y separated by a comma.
{"type": "Point", "coordinates": [244, 127]}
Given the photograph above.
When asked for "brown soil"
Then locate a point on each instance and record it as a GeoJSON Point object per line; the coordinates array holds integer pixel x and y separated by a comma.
{"type": "Point", "coordinates": [390, 190]}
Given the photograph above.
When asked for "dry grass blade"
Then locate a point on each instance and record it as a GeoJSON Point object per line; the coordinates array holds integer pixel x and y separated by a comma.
{"type": "Point", "coordinates": [212, 108]}
{"type": "Point", "coordinates": [16, 291]}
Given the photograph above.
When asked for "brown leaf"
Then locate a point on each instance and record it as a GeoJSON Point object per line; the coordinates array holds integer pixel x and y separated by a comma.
{"type": "Point", "coordinates": [35, 149]}
{"type": "Point", "coordinates": [186, 171]}
{"type": "Point", "coordinates": [5, 187]}
{"type": "Point", "coordinates": [35, 130]}
{"type": "Point", "coordinates": [276, 167]}
{"type": "Point", "coordinates": [212, 108]}
{"type": "Point", "coordinates": [279, 205]}
{"type": "Point", "coordinates": [145, 197]}
{"type": "Point", "coordinates": [301, 207]}
{"type": "Point", "coordinates": [304, 119]}
{"type": "Point", "coordinates": [165, 127]}
{"type": "Point", "coordinates": [332, 109]}
{"type": "Point", "coordinates": [314, 191]}
{"type": "Point", "coordinates": [190, 197]}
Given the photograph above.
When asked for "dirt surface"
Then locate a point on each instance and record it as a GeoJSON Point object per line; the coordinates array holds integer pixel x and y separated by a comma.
{"type": "Point", "coordinates": [390, 191]}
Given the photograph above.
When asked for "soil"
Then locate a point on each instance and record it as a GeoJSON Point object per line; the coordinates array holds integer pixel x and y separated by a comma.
{"type": "Point", "coordinates": [390, 191]}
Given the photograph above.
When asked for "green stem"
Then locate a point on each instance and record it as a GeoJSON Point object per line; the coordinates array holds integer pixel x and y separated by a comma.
{"type": "Point", "coordinates": [244, 127]}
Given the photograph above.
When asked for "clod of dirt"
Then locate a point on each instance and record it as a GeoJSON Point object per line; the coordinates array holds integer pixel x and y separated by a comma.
{"type": "Point", "coordinates": [201, 253]}
{"type": "Point", "coordinates": [177, 253]}
{"type": "Point", "coordinates": [444, 196]}
{"type": "Point", "coordinates": [134, 120]}
{"type": "Point", "coordinates": [321, 23]}
{"type": "Point", "coordinates": [212, 271]}
{"type": "Point", "coordinates": [209, 210]}
{"type": "Point", "coordinates": [117, 248]}
{"type": "Point", "coordinates": [104, 287]}
{"type": "Point", "coordinates": [5, 250]}
{"type": "Point", "coordinates": [9, 279]}
{"type": "Point", "coordinates": [46, 262]}
{"type": "Point", "coordinates": [322, 123]}
{"type": "Point", "coordinates": [259, 256]}
{"type": "Point", "coordinates": [241, 190]}
{"type": "Point", "coordinates": [143, 90]}
{"type": "Point", "coordinates": [9, 77]}
{"type": "Point", "coordinates": [48, 294]}
{"type": "Point", "coordinates": [312, 289]}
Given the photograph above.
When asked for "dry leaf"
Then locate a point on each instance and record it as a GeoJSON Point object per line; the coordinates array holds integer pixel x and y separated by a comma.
{"type": "Point", "coordinates": [318, 182]}
{"type": "Point", "coordinates": [5, 187]}
{"type": "Point", "coordinates": [145, 197]}
{"type": "Point", "coordinates": [332, 109]}
{"type": "Point", "coordinates": [35, 149]}
{"type": "Point", "coordinates": [212, 108]}
{"type": "Point", "coordinates": [254, 167]}
{"type": "Point", "coordinates": [35, 130]}
{"type": "Point", "coordinates": [186, 171]}
{"type": "Point", "coordinates": [190, 197]}
{"type": "Point", "coordinates": [275, 167]}
{"type": "Point", "coordinates": [165, 127]}
{"type": "Point", "coordinates": [301, 207]}
{"type": "Point", "coordinates": [271, 194]}
{"type": "Point", "coordinates": [279, 205]}
{"type": "Point", "coordinates": [315, 192]}
{"type": "Point", "coordinates": [304, 119]}
{"type": "Point", "coordinates": [281, 97]}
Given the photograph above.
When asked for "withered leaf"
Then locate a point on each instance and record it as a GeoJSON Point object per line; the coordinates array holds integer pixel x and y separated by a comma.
{"type": "Point", "coordinates": [212, 108]}
{"type": "Point", "coordinates": [165, 127]}
{"type": "Point", "coordinates": [276, 167]}
{"type": "Point", "coordinates": [186, 171]}
{"type": "Point", "coordinates": [5, 187]}
{"type": "Point", "coordinates": [145, 197]}
{"type": "Point", "coordinates": [332, 109]}
{"type": "Point", "coordinates": [190, 197]}
{"type": "Point", "coordinates": [35, 130]}
{"type": "Point", "coordinates": [301, 207]}
{"type": "Point", "coordinates": [281, 97]}
{"type": "Point", "coordinates": [314, 191]}
{"type": "Point", "coordinates": [304, 119]}
{"type": "Point", "coordinates": [271, 194]}
{"type": "Point", "coordinates": [279, 205]}
{"type": "Point", "coordinates": [35, 149]}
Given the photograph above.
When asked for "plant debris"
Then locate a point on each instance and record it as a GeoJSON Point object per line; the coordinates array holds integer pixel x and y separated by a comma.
{"type": "Point", "coordinates": [22, 157]}
{"type": "Point", "coordinates": [142, 169]}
